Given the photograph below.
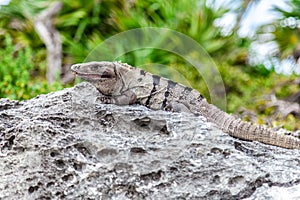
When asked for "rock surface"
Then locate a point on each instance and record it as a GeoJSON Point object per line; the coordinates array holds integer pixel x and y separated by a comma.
{"type": "Point", "coordinates": [65, 145]}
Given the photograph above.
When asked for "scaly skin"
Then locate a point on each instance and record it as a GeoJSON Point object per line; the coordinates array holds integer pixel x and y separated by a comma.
{"type": "Point", "coordinates": [122, 84]}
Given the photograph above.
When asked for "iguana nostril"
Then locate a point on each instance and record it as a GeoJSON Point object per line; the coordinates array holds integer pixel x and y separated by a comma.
{"type": "Point", "coordinates": [74, 67]}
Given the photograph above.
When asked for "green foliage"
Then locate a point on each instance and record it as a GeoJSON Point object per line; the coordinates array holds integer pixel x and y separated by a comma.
{"type": "Point", "coordinates": [285, 30]}
{"type": "Point", "coordinates": [193, 18]}
{"type": "Point", "coordinates": [17, 20]}
{"type": "Point", "coordinates": [85, 24]}
{"type": "Point", "coordinates": [293, 12]}
{"type": "Point", "coordinates": [15, 79]}
{"type": "Point", "coordinates": [248, 92]}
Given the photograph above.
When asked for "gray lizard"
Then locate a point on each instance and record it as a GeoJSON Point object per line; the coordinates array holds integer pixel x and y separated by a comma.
{"type": "Point", "coordinates": [123, 84]}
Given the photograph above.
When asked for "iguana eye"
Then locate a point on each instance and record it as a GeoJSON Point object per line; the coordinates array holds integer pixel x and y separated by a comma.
{"type": "Point", "coordinates": [94, 67]}
{"type": "Point", "coordinates": [106, 75]}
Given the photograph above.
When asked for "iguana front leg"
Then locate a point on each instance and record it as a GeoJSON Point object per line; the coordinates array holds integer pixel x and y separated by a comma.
{"type": "Point", "coordinates": [126, 98]}
{"type": "Point", "coordinates": [177, 106]}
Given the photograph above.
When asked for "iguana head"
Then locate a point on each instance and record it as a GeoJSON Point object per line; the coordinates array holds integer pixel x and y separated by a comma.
{"type": "Point", "coordinates": [105, 76]}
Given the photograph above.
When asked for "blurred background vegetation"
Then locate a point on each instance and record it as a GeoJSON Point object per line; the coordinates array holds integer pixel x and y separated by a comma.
{"type": "Point", "coordinates": [257, 89]}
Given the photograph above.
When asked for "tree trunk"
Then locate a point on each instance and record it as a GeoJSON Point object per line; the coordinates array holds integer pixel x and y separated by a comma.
{"type": "Point", "coordinates": [43, 25]}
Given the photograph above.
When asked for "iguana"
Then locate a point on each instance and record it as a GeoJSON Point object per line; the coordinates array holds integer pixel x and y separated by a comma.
{"type": "Point", "coordinates": [123, 84]}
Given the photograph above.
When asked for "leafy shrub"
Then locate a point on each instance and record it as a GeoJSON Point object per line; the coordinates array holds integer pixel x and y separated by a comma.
{"type": "Point", "coordinates": [16, 66]}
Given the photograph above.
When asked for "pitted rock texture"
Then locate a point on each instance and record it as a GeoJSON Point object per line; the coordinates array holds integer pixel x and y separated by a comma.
{"type": "Point", "coordinates": [66, 145]}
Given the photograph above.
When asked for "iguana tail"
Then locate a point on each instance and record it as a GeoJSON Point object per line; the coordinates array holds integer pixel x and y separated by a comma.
{"type": "Point", "coordinates": [247, 131]}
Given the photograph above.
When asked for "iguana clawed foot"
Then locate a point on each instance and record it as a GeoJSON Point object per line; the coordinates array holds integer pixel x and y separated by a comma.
{"type": "Point", "coordinates": [126, 98]}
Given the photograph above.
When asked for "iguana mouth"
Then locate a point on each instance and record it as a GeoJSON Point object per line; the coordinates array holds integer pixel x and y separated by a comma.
{"type": "Point", "coordinates": [91, 76]}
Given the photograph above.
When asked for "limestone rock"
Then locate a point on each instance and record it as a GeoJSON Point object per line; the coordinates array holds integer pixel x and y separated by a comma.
{"type": "Point", "coordinates": [66, 145]}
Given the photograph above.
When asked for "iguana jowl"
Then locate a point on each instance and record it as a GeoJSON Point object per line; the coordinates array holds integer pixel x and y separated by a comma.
{"type": "Point", "coordinates": [122, 84]}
